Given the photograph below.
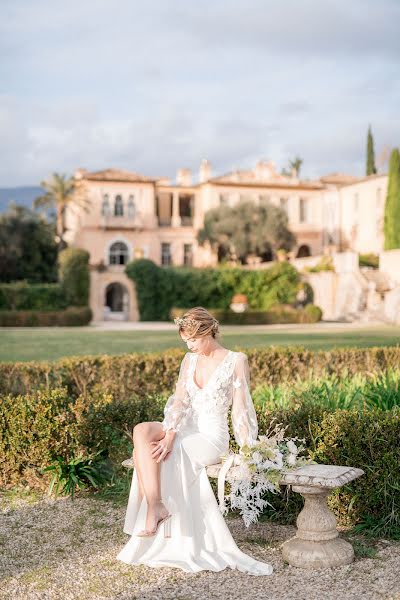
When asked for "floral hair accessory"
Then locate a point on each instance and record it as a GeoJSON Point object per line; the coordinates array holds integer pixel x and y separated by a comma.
{"type": "Point", "coordinates": [188, 322]}
{"type": "Point", "coordinates": [185, 322]}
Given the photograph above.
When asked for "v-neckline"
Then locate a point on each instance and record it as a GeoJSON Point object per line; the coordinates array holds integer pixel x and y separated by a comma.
{"type": "Point", "coordinates": [212, 374]}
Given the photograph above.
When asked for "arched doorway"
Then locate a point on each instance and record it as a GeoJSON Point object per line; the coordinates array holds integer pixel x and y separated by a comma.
{"type": "Point", "coordinates": [116, 302]}
{"type": "Point", "coordinates": [303, 251]}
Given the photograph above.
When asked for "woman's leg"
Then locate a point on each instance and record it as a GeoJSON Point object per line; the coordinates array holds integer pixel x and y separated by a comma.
{"type": "Point", "coordinates": [141, 489]}
{"type": "Point", "coordinates": [149, 469]}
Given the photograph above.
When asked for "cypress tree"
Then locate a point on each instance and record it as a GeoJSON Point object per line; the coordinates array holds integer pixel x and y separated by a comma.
{"type": "Point", "coordinates": [371, 169]}
{"type": "Point", "coordinates": [392, 206]}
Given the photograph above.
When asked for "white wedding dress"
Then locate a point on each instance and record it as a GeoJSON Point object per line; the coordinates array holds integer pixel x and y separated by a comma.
{"type": "Point", "coordinates": [200, 539]}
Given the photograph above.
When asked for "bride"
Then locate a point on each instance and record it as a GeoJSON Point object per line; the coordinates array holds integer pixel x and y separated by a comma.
{"type": "Point", "coordinates": [172, 514]}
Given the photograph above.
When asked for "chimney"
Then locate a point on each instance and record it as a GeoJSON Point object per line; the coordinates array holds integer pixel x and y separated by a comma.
{"type": "Point", "coordinates": [80, 173]}
{"type": "Point", "coordinates": [204, 171]}
{"type": "Point", "coordinates": [184, 177]}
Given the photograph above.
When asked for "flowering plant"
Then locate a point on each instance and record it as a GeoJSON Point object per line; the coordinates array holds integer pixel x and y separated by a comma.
{"type": "Point", "coordinates": [258, 470]}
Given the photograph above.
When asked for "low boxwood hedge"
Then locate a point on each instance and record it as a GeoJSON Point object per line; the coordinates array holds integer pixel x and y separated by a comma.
{"type": "Point", "coordinates": [32, 296]}
{"type": "Point", "coordinates": [37, 427]}
{"type": "Point", "coordinates": [70, 317]}
{"type": "Point", "coordinates": [146, 373]}
{"type": "Point", "coordinates": [281, 313]}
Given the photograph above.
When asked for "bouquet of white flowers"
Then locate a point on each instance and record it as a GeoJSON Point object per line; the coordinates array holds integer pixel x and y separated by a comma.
{"type": "Point", "coordinates": [256, 470]}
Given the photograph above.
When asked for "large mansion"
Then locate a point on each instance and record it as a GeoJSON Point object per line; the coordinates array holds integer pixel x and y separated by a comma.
{"type": "Point", "coordinates": [131, 216]}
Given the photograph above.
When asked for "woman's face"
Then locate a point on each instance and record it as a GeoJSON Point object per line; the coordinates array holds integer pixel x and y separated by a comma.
{"type": "Point", "coordinates": [197, 345]}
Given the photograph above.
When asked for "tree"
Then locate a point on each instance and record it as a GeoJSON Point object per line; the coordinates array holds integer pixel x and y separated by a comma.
{"type": "Point", "coordinates": [62, 192]}
{"type": "Point", "coordinates": [392, 206]}
{"type": "Point", "coordinates": [371, 168]}
{"type": "Point", "coordinates": [27, 247]}
{"type": "Point", "coordinates": [246, 229]}
{"type": "Point", "coordinates": [294, 167]}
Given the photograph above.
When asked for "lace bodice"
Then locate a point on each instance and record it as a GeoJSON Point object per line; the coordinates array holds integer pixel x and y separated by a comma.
{"type": "Point", "coordinates": [227, 388]}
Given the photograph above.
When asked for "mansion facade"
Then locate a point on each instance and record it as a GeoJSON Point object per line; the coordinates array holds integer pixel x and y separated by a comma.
{"type": "Point", "coordinates": [133, 216]}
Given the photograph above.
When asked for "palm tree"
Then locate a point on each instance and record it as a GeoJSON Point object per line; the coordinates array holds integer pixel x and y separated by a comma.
{"type": "Point", "coordinates": [62, 191]}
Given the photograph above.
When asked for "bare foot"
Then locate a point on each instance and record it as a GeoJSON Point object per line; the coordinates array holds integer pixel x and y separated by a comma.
{"type": "Point", "coordinates": [155, 513]}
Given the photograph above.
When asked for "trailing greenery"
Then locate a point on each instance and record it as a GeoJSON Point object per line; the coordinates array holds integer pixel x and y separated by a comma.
{"type": "Point", "coordinates": [392, 206]}
{"type": "Point", "coordinates": [36, 296]}
{"type": "Point", "coordinates": [146, 373]}
{"type": "Point", "coordinates": [161, 288]}
{"type": "Point", "coordinates": [71, 316]}
{"type": "Point", "coordinates": [277, 314]}
{"type": "Point", "coordinates": [27, 247]}
{"type": "Point", "coordinates": [370, 163]}
{"type": "Point", "coordinates": [74, 275]}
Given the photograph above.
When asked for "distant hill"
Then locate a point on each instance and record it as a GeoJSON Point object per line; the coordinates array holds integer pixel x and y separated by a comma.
{"type": "Point", "coordinates": [20, 195]}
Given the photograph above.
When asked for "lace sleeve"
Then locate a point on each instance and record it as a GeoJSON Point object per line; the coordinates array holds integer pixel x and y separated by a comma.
{"type": "Point", "coordinates": [244, 418]}
{"type": "Point", "coordinates": [177, 405]}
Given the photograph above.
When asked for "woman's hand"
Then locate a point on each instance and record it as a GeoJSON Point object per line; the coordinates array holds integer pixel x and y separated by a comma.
{"type": "Point", "coordinates": [162, 449]}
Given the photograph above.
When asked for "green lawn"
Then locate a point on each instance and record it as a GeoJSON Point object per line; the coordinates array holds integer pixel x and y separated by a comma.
{"type": "Point", "coordinates": [51, 344]}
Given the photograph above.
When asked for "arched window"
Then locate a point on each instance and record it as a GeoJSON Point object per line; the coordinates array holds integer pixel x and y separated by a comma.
{"type": "Point", "coordinates": [105, 208]}
{"type": "Point", "coordinates": [118, 254]}
{"type": "Point", "coordinates": [131, 207]}
{"type": "Point", "coordinates": [118, 206]}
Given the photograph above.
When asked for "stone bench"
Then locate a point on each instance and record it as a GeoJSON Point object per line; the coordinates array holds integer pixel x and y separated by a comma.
{"type": "Point", "coordinates": [317, 543]}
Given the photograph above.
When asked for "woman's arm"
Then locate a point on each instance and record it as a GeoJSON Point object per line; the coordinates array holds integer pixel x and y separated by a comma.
{"type": "Point", "coordinates": [177, 405]}
{"type": "Point", "coordinates": [244, 418]}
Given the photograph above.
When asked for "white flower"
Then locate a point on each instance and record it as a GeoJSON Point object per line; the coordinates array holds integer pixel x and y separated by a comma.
{"type": "Point", "coordinates": [257, 458]}
{"type": "Point", "coordinates": [292, 447]}
{"type": "Point", "coordinates": [291, 459]}
{"type": "Point", "coordinates": [279, 459]}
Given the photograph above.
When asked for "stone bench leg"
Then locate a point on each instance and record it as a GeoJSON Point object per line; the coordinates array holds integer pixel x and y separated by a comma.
{"type": "Point", "coordinates": [316, 544]}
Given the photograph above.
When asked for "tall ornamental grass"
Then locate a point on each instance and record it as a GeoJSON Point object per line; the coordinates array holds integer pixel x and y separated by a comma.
{"type": "Point", "coordinates": [330, 392]}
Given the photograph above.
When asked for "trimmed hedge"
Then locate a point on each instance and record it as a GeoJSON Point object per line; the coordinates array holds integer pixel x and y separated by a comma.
{"type": "Point", "coordinates": [160, 288]}
{"type": "Point", "coordinates": [34, 296]}
{"type": "Point", "coordinates": [74, 275]}
{"type": "Point", "coordinates": [70, 317]}
{"type": "Point", "coordinates": [37, 427]}
{"type": "Point", "coordinates": [277, 314]}
{"type": "Point", "coordinates": [147, 373]}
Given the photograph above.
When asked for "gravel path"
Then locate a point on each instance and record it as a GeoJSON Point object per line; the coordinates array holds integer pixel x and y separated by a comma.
{"type": "Point", "coordinates": [63, 549]}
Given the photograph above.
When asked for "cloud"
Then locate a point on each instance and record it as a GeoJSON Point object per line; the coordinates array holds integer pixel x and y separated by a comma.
{"type": "Point", "coordinates": [155, 86]}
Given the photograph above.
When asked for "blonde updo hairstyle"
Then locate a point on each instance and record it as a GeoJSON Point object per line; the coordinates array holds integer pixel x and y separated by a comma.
{"type": "Point", "coordinates": [197, 323]}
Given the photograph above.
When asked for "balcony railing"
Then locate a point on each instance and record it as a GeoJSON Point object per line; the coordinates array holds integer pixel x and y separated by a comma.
{"type": "Point", "coordinates": [121, 222]}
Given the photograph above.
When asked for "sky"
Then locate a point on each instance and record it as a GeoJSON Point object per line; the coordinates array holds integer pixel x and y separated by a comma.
{"type": "Point", "coordinates": [156, 85]}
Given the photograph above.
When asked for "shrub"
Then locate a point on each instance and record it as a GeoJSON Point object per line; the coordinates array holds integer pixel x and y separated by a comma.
{"type": "Point", "coordinates": [74, 275]}
{"type": "Point", "coordinates": [368, 260]}
{"type": "Point", "coordinates": [160, 288]}
{"type": "Point", "coordinates": [146, 373]}
{"type": "Point", "coordinates": [38, 427]}
{"type": "Point", "coordinates": [365, 439]}
{"type": "Point", "coordinates": [35, 296]}
{"type": "Point", "coordinates": [71, 316]}
{"type": "Point", "coordinates": [311, 314]}
{"type": "Point", "coordinates": [277, 314]}
{"type": "Point", "coordinates": [324, 264]}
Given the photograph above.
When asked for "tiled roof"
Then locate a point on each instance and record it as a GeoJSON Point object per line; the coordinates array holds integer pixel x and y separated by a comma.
{"type": "Point", "coordinates": [249, 178]}
{"type": "Point", "coordinates": [340, 179]}
{"type": "Point", "coordinates": [116, 175]}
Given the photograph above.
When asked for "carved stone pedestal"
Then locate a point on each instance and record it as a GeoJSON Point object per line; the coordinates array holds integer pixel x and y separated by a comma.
{"type": "Point", "coordinates": [317, 543]}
